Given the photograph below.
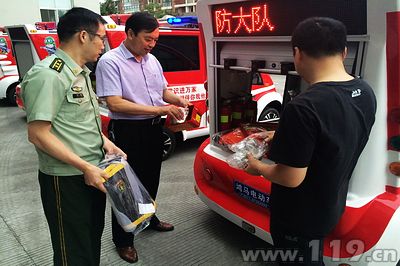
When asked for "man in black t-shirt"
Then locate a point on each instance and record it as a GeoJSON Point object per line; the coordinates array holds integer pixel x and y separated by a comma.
{"type": "Point", "coordinates": [320, 137]}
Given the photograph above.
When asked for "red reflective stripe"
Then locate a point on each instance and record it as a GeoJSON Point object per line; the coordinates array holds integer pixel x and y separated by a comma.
{"type": "Point", "coordinates": [393, 190]}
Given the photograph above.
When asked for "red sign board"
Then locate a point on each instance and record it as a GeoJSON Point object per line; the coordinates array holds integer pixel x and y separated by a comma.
{"type": "Point", "coordinates": [280, 17]}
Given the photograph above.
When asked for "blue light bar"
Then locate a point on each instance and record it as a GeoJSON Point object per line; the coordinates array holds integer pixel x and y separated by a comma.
{"type": "Point", "coordinates": [182, 20]}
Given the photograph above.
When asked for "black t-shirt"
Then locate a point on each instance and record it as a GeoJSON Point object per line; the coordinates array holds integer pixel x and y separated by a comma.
{"type": "Point", "coordinates": [325, 129]}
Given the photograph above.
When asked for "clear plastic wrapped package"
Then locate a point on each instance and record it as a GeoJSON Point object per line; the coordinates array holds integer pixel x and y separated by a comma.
{"type": "Point", "coordinates": [131, 203]}
{"type": "Point", "coordinates": [252, 144]}
{"type": "Point", "coordinates": [226, 138]}
{"type": "Point", "coordinates": [243, 140]}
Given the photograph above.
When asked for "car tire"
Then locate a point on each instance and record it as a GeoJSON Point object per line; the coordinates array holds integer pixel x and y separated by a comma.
{"type": "Point", "coordinates": [11, 96]}
{"type": "Point", "coordinates": [268, 113]}
{"type": "Point", "coordinates": [169, 143]}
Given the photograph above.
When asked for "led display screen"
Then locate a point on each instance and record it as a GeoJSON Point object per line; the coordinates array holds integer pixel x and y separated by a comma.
{"type": "Point", "coordinates": [280, 17]}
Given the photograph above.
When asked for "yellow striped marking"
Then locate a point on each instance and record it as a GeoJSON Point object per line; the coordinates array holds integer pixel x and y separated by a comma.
{"type": "Point", "coordinates": [141, 218]}
{"type": "Point", "coordinates": [60, 223]}
{"type": "Point", "coordinates": [112, 169]}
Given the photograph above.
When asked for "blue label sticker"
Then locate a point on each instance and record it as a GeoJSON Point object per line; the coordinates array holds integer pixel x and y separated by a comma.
{"type": "Point", "coordinates": [251, 194]}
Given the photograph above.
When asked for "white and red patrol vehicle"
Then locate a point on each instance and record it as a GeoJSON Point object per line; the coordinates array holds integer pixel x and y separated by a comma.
{"type": "Point", "coordinates": [31, 44]}
{"type": "Point", "coordinates": [181, 53]}
{"type": "Point", "coordinates": [8, 69]}
{"type": "Point", "coordinates": [238, 35]}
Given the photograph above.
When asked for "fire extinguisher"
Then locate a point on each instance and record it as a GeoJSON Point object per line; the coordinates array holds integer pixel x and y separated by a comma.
{"type": "Point", "coordinates": [237, 113]}
{"type": "Point", "coordinates": [225, 115]}
{"type": "Point", "coordinates": [250, 113]}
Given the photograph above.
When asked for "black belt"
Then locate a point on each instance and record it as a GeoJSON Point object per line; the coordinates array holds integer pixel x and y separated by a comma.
{"type": "Point", "coordinates": [151, 121]}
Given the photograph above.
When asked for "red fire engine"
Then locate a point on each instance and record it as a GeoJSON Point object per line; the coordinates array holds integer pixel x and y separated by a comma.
{"type": "Point", "coordinates": [245, 38]}
{"type": "Point", "coordinates": [8, 69]}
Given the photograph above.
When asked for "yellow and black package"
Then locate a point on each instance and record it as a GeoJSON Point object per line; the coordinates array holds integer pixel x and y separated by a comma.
{"type": "Point", "coordinates": [131, 203]}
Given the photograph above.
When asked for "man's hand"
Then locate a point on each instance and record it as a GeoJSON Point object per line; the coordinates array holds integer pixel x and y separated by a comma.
{"type": "Point", "coordinates": [265, 135]}
{"type": "Point", "coordinates": [281, 174]}
{"type": "Point", "coordinates": [183, 102]}
{"type": "Point", "coordinates": [39, 133]}
{"type": "Point", "coordinates": [173, 111]}
{"type": "Point", "coordinates": [111, 148]}
{"type": "Point", "coordinates": [172, 98]}
{"type": "Point", "coordinates": [94, 177]}
{"type": "Point", "coordinates": [252, 165]}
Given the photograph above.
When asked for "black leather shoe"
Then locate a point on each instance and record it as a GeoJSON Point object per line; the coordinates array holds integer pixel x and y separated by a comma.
{"type": "Point", "coordinates": [128, 254]}
{"type": "Point", "coordinates": [162, 227]}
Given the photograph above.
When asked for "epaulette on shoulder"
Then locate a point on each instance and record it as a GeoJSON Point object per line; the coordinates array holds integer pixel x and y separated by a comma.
{"type": "Point", "coordinates": [57, 64]}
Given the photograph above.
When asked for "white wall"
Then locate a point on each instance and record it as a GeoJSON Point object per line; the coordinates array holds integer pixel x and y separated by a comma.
{"type": "Point", "coordinates": [14, 12]}
{"type": "Point", "coordinates": [93, 5]}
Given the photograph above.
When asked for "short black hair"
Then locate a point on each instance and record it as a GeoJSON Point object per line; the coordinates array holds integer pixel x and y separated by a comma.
{"type": "Point", "coordinates": [77, 19]}
{"type": "Point", "coordinates": [141, 21]}
{"type": "Point", "coordinates": [320, 36]}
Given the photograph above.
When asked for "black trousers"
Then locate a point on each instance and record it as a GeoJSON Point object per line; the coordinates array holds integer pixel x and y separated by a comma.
{"type": "Point", "coordinates": [75, 215]}
{"type": "Point", "coordinates": [142, 142]}
{"type": "Point", "coordinates": [308, 250]}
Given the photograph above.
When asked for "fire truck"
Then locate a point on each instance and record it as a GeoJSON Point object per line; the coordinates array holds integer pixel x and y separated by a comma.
{"type": "Point", "coordinates": [119, 19]}
{"type": "Point", "coordinates": [245, 38]}
{"type": "Point", "coordinates": [181, 53]}
{"type": "Point", "coordinates": [8, 69]}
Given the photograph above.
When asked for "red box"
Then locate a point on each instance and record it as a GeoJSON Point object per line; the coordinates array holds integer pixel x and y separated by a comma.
{"type": "Point", "coordinates": [192, 120]}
